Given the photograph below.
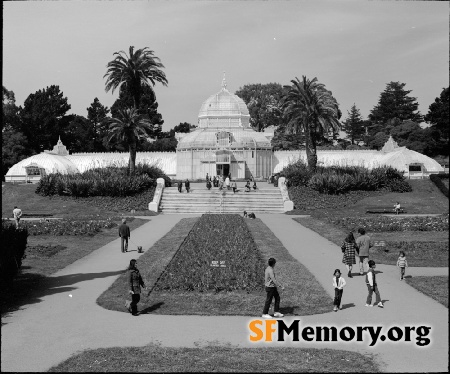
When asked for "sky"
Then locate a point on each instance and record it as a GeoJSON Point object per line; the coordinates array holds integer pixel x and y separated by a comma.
{"type": "Point", "coordinates": [353, 47]}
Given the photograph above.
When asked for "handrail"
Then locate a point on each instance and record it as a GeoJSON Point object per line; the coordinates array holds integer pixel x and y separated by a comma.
{"type": "Point", "coordinates": [153, 206]}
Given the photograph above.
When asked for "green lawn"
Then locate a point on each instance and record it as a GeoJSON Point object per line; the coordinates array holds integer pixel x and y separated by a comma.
{"type": "Point", "coordinates": [435, 287]}
{"type": "Point", "coordinates": [433, 252]}
{"type": "Point", "coordinates": [45, 255]}
{"type": "Point", "coordinates": [303, 294]}
{"type": "Point", "coordinates": [213, 358]}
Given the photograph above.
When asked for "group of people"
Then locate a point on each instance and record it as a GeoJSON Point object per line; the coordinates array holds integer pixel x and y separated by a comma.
{"type": "Point", "coordinates": [228, 183]}
{"type": "Point", "coordinates": [350, 248]}
{"type": "Point", "coordinates": [187, 185]}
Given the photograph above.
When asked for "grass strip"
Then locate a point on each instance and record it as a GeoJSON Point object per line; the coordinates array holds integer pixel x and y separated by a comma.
{"type": "Point", "coordinates": [45, 255]}
{"type": "Point", "coordinates": [303, 294]}
{"type": "Point", "coordinates": [154, 358]}
{"type": "Point", "coordinates": [422, 248]}
{"type": "Point", "coordinates": [151, 265]}
{"type": "Point", "coordinates": [435, 287]}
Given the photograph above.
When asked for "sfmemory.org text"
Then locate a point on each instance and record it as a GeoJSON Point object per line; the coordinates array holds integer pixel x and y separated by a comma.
{"type": "Point", "coordinates": [269, 330]}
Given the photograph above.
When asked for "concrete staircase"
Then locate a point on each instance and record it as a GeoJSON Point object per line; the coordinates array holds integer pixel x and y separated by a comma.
{"type": "Point", "coordinates": [201, 200]}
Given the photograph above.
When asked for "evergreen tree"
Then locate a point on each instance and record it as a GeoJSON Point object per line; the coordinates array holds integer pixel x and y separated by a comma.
{"type": "Point", "coordinates": [438, 115]}
{"type": "Point", "coordinates": [97, 113]}
{"type": "Point", "coordinates": [354, 125]}
{"type": "Point", "coordinates": [41, 118]}
{"type": "Point", "coordinates": [394, 102]}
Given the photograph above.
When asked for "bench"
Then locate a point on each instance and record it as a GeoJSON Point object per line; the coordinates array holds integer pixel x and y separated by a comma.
{"type": "Point", "coordinates": [24, 215]}
{"type": "Point", "coordinates": [384, 209]}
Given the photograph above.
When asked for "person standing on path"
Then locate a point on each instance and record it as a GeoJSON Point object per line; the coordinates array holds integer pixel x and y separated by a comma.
{"type": "Point", "coordinates": [180, 186]}
{"type": "Point", "coordinates": [135, 282]}
{"type": "Point", "coordinates": [124, 233]}
{"type": "Point", "coordinates": [372, 285]}
{"type": "Point", "coordinates": [187, 184]}
{"type": "Point", "coordinates": [234, 186]}
{"type": "Point", "coordinates": [227, 183]}
{"type": "Point", "coordinates": [348, 248]}
{"type": "Point", "coordinates": [271, 284]}
{"type": "Point", "coordinates": [363, 245]}
{"type": "Point", "coordinates": [402, 264]}
{"type": "Point", "coordinates": [17, 213]}
{"type": "Point", "coordinates": [338, 284]}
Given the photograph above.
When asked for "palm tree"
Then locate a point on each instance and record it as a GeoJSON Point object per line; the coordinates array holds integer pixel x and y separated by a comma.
{"type": "Point", "coordinates": [129, 127]}
{"type": "Point", "coordinates": [309, 107]}
{"type": "Point", "coordinates": [133, 71]}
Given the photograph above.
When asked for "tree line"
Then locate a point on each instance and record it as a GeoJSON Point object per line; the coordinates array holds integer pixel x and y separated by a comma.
{"type": "Point", "coordinates": [305, 114]}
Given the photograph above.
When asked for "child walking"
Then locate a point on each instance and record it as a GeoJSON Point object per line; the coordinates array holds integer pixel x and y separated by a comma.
{"type": "Point", "coordinates": [338, 284]}
{"type": "Point", "coordinates": [402, 264]}
{"type": "Point", "coordinates": [372, 285]}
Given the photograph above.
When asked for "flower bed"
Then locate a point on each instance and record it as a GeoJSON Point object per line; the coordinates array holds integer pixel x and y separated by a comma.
{"type": "Point", "coordinates": [218, 238]}
{"type": "Point", "coordinates": [307, 199]}
{"type": "Point", "coordinates": [383, 223]}
{"type": "Point", "coordinates": [67, 227]}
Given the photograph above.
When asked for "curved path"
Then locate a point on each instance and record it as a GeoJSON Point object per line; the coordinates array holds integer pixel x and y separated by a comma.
{"type": "Point", "coordinates": [67, 319]}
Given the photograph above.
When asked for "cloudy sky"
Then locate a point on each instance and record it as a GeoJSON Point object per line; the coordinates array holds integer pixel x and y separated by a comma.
{"type": "Point", "coordinates": [354, 47]}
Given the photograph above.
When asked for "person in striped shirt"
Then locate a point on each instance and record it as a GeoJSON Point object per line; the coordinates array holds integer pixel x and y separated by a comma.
{"type": "Point", "coordinates": [402, 264]}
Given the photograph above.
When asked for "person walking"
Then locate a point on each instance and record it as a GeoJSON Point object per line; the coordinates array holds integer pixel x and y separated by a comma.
{"type": "Point", "coordinates": [372, 286]}
{"type": "Point", "coordinates": [363, 245]}
{"type": "Point", "coordinates": [227, 182]}
{"type": "Point", "coordinates": [17, 213]}
{"type": "Point", "coordinates": [402, 264]}
{"type": "Point", "coordinates": [208, 184]}
{"type": "Point", "coordinates": [234, 186]}
{"type": "Point", "coordinates": [135, 282]}
{"type": "Point", "coordinates": [187, 184]}
{"type": "Point", "coordinates": [124, 234]}
{"type": "Point", "coordinates": [180, 186]}
{"type": "Point", "coordinates": [271, 283]}
{"type": "Point", "coordinates": [207, 177]}
{"type": "Point", "coordinates": [338, 284]}
{"type": "Point", "coordinates": [348, 248]}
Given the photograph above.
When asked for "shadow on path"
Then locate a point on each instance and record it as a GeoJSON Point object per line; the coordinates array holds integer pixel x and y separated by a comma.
{"type": "Point", "coordinates": [30, 288]}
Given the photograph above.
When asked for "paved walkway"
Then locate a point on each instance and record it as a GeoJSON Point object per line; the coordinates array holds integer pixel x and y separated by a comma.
{"type": "Point", "coordinates": [67, 319]}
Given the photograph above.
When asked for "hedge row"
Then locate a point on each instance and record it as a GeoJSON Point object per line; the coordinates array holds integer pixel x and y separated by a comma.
{"type": "Point", "coordinates": [335, 180]}
{"type": "Point", "coordinates": [14, 243]}
{"type": "Point", "coordinates": [437, 180]}
{"type": "Point", "coordinates": [110, 181]}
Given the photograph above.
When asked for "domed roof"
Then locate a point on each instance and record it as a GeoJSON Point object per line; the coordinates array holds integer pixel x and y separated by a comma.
{"type": "Point", "coordinates": [50, 162]}
{"type": "Point", "coordinates": [223, 109]}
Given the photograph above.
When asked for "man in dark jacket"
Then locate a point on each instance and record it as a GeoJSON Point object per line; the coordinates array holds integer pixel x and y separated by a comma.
{"type": "Point", "coordinates": [187, 184]}
{"type": "Point", "coordinates": [124, 233]}
{"type": "Point", "coordinates": [180, 186]}
{"type": "Point", "coordinates": [135, 282]}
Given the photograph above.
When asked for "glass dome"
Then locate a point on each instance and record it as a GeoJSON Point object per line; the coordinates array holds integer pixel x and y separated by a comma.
{"type": "Point", "coordinates": [223, 110]}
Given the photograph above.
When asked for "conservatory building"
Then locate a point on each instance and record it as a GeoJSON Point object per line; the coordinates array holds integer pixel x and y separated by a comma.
{"type": "Point", "coordinates": [223, 143]}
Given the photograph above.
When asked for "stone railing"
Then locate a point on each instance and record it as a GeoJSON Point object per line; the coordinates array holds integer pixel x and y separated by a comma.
{"type": "Point", "coordinates": [160, 184]}
{"type": "Point", "coordinates": [288, 205]}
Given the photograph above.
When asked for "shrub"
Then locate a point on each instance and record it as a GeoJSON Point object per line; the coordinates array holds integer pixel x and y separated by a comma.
{"type": "Point", "coordinates": [297, 173]}
{"type": "Point", "coordinates": [67, 227]}
{"type": "Point", "coordinates": [383, 223]}
{"type": "Point", "coordinates": [14, 243]}
{"type": "Point", "coordinates": [210, 240]}
{"type": "Point", "coordinates": [109, 181]}
{"type": "Point", "coordinates": [437, 180]}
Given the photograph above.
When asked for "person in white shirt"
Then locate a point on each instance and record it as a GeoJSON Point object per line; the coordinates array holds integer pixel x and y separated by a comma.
{"type": "Point", "coordinates": [271, 283]}
{"type": "Point", "coordinates": [397, 208]}
{"type": "Point", "coordinates": [338, 284]}
{"type": "Point", "coordinates": [17, 213]}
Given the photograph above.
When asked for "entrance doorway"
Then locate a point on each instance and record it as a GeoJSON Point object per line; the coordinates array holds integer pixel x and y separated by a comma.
{"type": "Point", "coordinates": [223, 169]}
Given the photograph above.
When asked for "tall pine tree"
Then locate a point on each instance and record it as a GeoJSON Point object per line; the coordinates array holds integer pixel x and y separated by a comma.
{"type": "Point", "coordinates": [354, 125]}
{"type": "Point", "coordinates": [395, 102]}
